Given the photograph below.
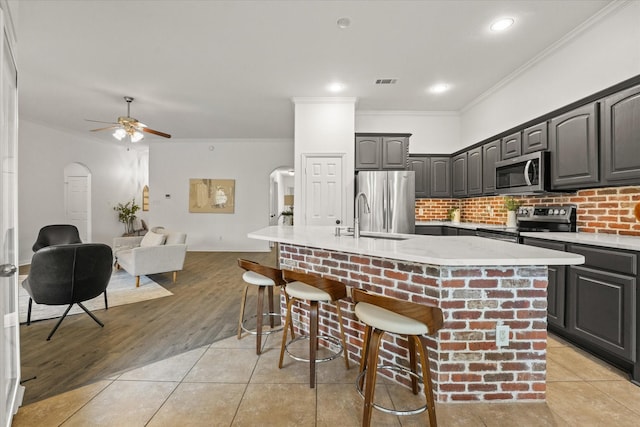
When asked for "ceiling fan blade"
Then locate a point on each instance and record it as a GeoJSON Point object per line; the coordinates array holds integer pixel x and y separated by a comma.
{"type": "Point", "coordinates": [107, 128]}
{"type": "Point", "coordinates": [99, 121]}
{"type": "Point", "coordinates": [155, 132]}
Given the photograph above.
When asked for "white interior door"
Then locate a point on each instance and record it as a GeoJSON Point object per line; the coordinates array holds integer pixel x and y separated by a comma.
{"type": "Point", "coordinates": [10, 340]}
{"type": "Point", "coordinates": [77, 206]}
{"type": "Point", "coordinates": [323, 190]}
{"type": "Point", "coordinates": [77, 198]}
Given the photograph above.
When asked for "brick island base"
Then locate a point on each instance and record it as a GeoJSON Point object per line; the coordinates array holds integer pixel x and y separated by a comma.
{"type": "Point", "coordinates": [465, 362]}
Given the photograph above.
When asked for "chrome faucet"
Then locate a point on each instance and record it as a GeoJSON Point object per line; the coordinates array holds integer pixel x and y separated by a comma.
{"type": "Point", "coordinates": [356, 219]}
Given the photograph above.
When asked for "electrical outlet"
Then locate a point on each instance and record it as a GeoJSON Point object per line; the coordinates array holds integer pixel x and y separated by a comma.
{"type": "Point", "coordinates": [421, 211]}
{"type": "Point", "coordinates": [502, 335]}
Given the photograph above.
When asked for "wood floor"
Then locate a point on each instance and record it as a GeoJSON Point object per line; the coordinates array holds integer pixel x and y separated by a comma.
{"type": "Point", "coordinates": [203, 309]}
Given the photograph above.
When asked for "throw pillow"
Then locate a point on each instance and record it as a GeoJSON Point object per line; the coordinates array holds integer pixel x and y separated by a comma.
{"type": "Point", "coordinates": [153, 239]}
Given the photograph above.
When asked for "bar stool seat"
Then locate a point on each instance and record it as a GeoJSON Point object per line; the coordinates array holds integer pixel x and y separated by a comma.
{"type": "Point", "coordinates": [313, 289]}
{"type": "Point", "coordinates": [382, 315]}
{"type": "Point", "coordinates": [389, 321]}
{"type": "Point", "coordinates": [301, 290]}
{"type": "Point", "coordinates": [265, 278]}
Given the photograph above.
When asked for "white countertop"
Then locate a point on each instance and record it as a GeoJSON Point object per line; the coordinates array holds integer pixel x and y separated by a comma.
{"type": "Point", "coordinates": [595, 239]}
{"type": "Point", "coordinates": [614, 241]}
{"type": "Point", "coordinates": [435, 250]}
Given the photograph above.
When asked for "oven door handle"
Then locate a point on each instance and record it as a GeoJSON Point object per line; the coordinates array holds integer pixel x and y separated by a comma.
{"type": "Point", "coordinates": [526, 172]}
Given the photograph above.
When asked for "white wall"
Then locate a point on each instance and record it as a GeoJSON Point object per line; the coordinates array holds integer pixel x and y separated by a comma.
{"type": "Point", "coordinates": [602, 55]}
{"type": "Point", "coordinates": [432, 132]}
{"type": "Point", "coordinates": [43, 153]}
{"type": "Point", "coordinates": [248, 162]}
{"type": "Point", "coordinates": [325, 126]}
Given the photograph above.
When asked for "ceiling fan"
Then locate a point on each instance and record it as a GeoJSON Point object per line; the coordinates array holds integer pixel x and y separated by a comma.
{"type": "Point", "coordinates": [129, 126]}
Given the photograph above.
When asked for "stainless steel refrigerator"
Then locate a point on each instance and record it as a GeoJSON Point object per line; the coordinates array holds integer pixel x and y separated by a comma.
{"type": "Point", "coordinates": [391, 197]}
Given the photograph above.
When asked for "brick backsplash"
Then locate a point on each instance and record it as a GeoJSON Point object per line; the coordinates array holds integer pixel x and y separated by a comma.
{"type": "Point", "coordinates": [600, 210]}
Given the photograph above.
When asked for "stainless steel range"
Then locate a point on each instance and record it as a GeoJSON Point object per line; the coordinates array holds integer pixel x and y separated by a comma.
{"type": "Point", "coordinates": [557, 218]}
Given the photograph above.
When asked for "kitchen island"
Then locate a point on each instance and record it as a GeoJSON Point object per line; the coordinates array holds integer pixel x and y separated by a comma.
{"type": "Point", "coordinates": [478, 283]}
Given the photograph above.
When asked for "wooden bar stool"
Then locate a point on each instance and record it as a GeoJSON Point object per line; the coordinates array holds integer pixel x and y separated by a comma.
{"type": "Point", "coordinates": [314, 289]}
{"type": "Point", "coordinates": [382, 314]}
{"type": "Point", "coordinates": [264, 278]}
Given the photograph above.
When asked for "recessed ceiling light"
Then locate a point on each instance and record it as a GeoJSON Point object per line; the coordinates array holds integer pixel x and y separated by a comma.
{"type": "Point", "coordinates": [439, 88]}
{"type": "Point", "coordinates": [502, 24]}
{"type": "Point", "coordinates": [335, 87]}
{"type": "Point", "coordinates": [343, 23]}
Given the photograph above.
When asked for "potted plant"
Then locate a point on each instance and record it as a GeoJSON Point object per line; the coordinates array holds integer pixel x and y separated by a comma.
{"type": "Point", "coordinates": [454, 214]}
{"type": "Point", "coordinates": [511, 205]}
{"type": "Point", "coordinates": [287, 216]}
{"type": "Point", "coordinates": [126, 214]}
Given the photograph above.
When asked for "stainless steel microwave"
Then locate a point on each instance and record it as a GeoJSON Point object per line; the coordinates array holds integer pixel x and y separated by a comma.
{"type": "Point", "coordinates": [527, 174]}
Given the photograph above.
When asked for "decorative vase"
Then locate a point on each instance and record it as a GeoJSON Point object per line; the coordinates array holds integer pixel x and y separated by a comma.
{"type": "Point", "coordinates": [511, 219]}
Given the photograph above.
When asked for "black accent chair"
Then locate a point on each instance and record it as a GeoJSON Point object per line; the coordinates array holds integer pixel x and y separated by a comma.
{"type": "Point", "coordinates": [58, 234]}
{"type": "Point", "coordinates": [68, 274]}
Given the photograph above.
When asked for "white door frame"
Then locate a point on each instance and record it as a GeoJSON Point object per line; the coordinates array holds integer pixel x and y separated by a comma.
{"type": "Point", "coordinates": [300, 215]}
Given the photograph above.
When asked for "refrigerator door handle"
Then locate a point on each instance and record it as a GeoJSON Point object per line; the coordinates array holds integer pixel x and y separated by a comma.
{"type": "Point", "coordinates": [385, 203]}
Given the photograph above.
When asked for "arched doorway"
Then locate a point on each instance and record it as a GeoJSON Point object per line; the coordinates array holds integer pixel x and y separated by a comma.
{"type": "Point", "coordinates": [281, 185]}
{"type": "Point", "coordinates": [77, 198]}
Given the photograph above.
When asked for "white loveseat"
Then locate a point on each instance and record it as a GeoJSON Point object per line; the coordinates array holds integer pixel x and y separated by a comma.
{"type": "Point", "coordinates": [155, 252]}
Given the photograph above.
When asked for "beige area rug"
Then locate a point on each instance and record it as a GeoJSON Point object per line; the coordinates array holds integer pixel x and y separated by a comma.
{"type": "Point", "coordinates": [121, 290]}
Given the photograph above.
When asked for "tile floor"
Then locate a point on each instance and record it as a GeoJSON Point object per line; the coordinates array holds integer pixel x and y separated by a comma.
{"type": "Point", "coordinates": [226, 384]}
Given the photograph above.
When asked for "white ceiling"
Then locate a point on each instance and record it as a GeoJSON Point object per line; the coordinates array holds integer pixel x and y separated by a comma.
{"type": "Point", "coordinates": [228, 69]}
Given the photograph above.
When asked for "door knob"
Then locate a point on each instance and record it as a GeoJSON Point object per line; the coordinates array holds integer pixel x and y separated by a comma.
{"type": "Point", "coordinates": [7, 270]}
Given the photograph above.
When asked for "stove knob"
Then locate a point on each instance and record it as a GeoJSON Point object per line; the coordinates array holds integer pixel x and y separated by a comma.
{"type": "Point", "coordinates": [556, 212]}
{"type": "Point", "coordinates": [563, 212]}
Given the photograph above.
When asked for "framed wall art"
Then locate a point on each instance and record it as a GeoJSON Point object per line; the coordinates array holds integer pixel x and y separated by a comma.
{"type": "Point", "coordinates": [212, 195]}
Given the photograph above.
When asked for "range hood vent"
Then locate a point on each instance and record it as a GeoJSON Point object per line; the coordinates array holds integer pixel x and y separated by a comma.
{"type": "Point", "coordinates": [386, 81]}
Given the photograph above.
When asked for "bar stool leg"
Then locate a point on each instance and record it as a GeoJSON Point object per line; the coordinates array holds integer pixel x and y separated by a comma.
{"type": "Point", "coordinates": [244, 301]}
{"type": "Point", "coordinates": [344, 341]}
{"type": "Point", "coordinates": [259, 319]}
{"type": "Point", "coordinates": [413, 363]}
{"type": "Point", "coordinates": [313, 341]}
{"type": "Point", "coordinates": [426, 378]}
{"type": "Point", "coordinates": [287, 323]}
{"type": "Point", "coordinates": [370, 382]}
{"type": "Point", "coordinates": [271, 308]}
{"type": "Point", "coordinates": [365, 354]}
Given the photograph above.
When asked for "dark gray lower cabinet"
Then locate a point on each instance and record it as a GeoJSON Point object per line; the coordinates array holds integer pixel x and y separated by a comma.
{"type": "Point", "coordinates": [466, 232]}
{"type": "Point", "coordinates": [595, 305]}
{"type": "Point", "coordinates": [602, 305]}
{"type": "Point", "coordinates": [601, 309]}
{"type": "Point", "coordinates": [556, 289]}
{"type": "Point", "coordinates": [429, 230]}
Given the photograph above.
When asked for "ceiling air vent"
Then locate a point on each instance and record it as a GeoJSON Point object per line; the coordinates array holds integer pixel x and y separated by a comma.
{"type": "Point", "coordinates": [386, 81]}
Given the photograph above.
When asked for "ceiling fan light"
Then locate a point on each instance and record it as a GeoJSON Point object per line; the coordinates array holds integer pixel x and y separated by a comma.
{"type": "Point", "coordinates": [119, 134]}
{"type": "Point", "coordinates": [137, 136]}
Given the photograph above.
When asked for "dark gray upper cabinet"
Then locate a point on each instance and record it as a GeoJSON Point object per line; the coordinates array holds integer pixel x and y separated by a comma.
{"type": "Point", "coordinates": [511, 145]}
{"type": "Point", "coordinates": [459, 173]}
{"type": "Point", "coordinates": [420, 164]}
{"type": "Point", "coordinates": [490, 155]}
{"type": "Point", "coordinates": [381, 151]}
{"type": "Point", "coordinates": [395, 152]}
{"type": "Point", "coordinates": [474, 172]}
{"type": "Point", "coordinates": [620, 154]}
{"type": "Point", "coordinates": [440, 176]}
{"type": "Point", "coordinates": [573, 142]}
{"type": "Point", "coordinates": [534, 138]}
{"type": "Point", "coordinates": [368, 152]}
